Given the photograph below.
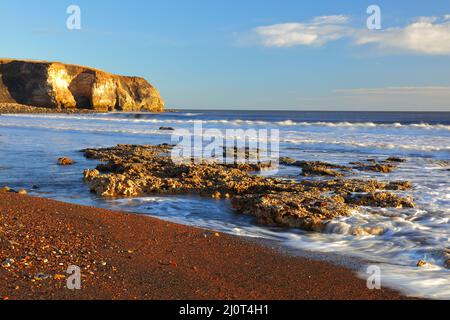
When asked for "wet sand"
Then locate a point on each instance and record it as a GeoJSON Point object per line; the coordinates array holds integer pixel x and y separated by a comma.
{"type": "Point", "coordinates": [128, 256]}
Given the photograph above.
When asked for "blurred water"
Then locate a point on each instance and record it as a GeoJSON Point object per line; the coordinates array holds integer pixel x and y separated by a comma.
{"type": "Point", "coordinates": [31, 144]}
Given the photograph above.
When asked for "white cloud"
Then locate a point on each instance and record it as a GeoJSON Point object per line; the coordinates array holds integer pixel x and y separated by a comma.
{"type": "Point", "coordinates": [314, 33]}
{"type": "Point", "coordinates": [336, 19]}
{"type": "Point", "coordinates": [422, 91]}
{"type": "Point", "coordinates": [426, 35]}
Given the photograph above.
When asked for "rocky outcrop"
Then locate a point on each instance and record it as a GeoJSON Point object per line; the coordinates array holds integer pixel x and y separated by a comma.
{"type": "Point", "coordinates": [62, 86]}
{"type": "Point", "coordinates": [131, 171]}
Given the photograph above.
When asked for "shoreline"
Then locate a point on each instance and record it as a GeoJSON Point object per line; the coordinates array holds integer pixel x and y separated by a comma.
{"type": "Point", "coordinates": [16, 108]}
{"type": "Point", "coordinates": [130, 256]}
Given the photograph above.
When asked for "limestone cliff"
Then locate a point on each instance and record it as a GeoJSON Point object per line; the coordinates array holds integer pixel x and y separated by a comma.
{"type": "Point", "coordinates": [64, 86]}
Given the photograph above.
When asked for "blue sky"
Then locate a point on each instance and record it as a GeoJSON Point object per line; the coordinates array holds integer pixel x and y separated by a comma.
{"type": "Point", "coordinates": [293, 55]}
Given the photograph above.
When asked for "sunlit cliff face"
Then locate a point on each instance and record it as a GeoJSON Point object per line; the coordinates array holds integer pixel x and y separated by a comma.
{"type": "Point", "coordinates": [58, 85]}
{"type": "Point", "coordinates": [59, 80]}
{"type": "Point", "coordinates": [104, 93]}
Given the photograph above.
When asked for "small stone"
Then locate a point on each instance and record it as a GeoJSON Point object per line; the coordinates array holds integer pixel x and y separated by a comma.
{"type": "Point", "coordinates": [7, 263]}
{"type": "Point", "coordinates": [447, 264]}
{"type": "Point", "coordinates": [64, 161]}
{"type": "Point", "coordinates": [41, 276]}
{"type": "Point", "coordinates": [166, 129]}
{"type": "Point", "coordinates": [422, 263]}
{"type": "Point", "coordinates": [22, 191]}
{"type": "Point", "coordinates": [5, 189]}
{"type": "Point", "coordinates": [217, 195]}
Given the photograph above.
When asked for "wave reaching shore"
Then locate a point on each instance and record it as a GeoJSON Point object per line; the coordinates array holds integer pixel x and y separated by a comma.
{"type": "Point", "coordinates": [30, 145]}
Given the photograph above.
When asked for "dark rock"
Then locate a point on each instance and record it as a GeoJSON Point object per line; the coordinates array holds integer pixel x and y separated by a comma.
{"type": "Point", "coordinates": [422, 263]}
{"type": "Point", "coordinates": [382, 168]}
{"type": "Point", "coordinates": [287, 161]}
{"type": "Point", "coordinates": [447, 264]}
{"type": "Point", "coordinates": [399, 185]}
{"type": "Point", "coordinates": [395, 159]}
{"type": "Point", "coordinates": [308, 211]}
{"type": "Point", "coordinates": [311, 168]}
{"type": "Point", "coordinates": [64, 161]}
{"type": "Point", "coordinates": [380, 199]}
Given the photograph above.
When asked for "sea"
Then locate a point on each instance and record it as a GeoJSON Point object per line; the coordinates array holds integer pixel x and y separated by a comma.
{"type": "Point", "coordinates": [30, 145]}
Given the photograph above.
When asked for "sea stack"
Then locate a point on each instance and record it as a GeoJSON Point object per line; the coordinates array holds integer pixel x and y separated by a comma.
{"type": "Point", "coordinates": [64, 86]}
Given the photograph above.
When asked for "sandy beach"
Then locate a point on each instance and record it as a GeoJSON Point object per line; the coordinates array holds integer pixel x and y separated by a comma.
{"type": "Point", "coordinates": [128, 256]}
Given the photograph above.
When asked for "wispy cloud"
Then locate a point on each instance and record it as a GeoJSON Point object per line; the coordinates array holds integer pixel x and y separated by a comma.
{"type": "Point", "coordinates": [426, 90]}
{"type": "Point", "coordinates": [425, 35]}
{"type": "Point", "coordinates": [316, 32]}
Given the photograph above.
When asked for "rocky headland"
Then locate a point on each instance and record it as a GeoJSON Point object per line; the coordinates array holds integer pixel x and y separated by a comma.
{"type": "Point", "coordinates": [25, 84]}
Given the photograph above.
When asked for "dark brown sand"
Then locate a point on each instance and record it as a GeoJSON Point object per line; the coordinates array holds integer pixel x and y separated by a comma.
{"type": "Point", "coordinates": [127, 256]}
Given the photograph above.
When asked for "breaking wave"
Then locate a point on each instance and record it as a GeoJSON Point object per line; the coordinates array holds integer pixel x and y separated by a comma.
{"type": "Point", "coordinates": [155, 119]}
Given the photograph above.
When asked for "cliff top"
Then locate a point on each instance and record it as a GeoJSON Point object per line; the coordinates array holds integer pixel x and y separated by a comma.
{"type": "Point", "coordinates": [9, 60]}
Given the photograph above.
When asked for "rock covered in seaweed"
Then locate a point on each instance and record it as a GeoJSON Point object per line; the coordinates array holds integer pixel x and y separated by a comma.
{"type": "Point", "coordinates": [311, 168]}
{"type": "Point", "coordinates": [380, 199]}
{"type": "Point", "coordinates": [306, 210]}
{"type": "Point", "coordinates": [131, 170]}
{"type": "Point", "coordinates": [376, 167]}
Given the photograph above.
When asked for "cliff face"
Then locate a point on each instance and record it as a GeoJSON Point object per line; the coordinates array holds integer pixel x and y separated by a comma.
{"type": "Point", "coordinates": [57, 85]}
